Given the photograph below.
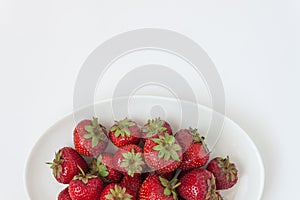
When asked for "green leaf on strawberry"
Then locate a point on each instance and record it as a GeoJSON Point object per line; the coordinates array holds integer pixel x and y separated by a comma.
{"type": "Point", "coordinates": [56, 165]}
{"type": "Point", "coordinates": [132, 162]}
{"type": "Point", "coordinates": [118, 193]}
{"type": "Point", "coordinates": [154, 126]}
{"type": "Point", "coordinates": [170, 186]}
{"type": "Point", "coordinates": [228, 168]}
{"type": "Point", "coordinates": [95, 132]}
{"type": "Point", "coordinates": [121, 128]}
{"type": "Point", "coordinates": [197, 138]}
{"type": "Point", "coordinates": [83, 177]}
{"type": "Point", "coordinates": [166, 147]}
{"type": "Point", "coordinates": [102, 169]}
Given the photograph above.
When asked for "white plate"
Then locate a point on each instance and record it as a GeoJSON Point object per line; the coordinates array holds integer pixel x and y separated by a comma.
{"type": "Point", "coordinates": [233, 141]}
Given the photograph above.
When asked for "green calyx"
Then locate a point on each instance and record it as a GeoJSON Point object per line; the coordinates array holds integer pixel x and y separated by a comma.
{"type": "Point", "coordinates": [122, 127]}
{"type": "Point", "coordinates": [154, 126]}
{"type": "Point", "coordinates": [170, 187]}
{"type": "Point", "coordinates": [94, 132]}
{"type": "Point", "coordinates": [118, 193]}
{"type": "Point", "coordinates": [56, 164]}
{"type": "Point", "coordinates": [197, 138]}
{"type": "Point", "coordinates": [228, 168]}
{"type": "Point", "coordinates": [132, 162]}
{"type": "Point", "coordinates": [166, 147]}
{"type": "Point", "coordinates": [83, 177]}
{"type": "Point", "coordinates": [99, 168]}
{"type": "Point", "coordinates": [211, 191]}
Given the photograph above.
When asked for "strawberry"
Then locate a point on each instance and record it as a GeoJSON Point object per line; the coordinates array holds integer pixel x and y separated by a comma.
{"type": "Point", "coordinates": [197, 154]}
{"type": "Point", "coordinates": [124, 132]}
{"type": "Point", "coordinates": [85, 186]}
{"type": "Point", "coordinates": [129, 159]}
{"type": "Point", "coordinates": [163, 154]}
{"type": "Point", "coordinates": [157, 188]}
{"type": "Point", "coordinates": [133, 183]}
{"type": "Point", "coordinates": [198, 184]}
{"type": "Point", "coordinates": [154, 128]}
{"type": "Point", "coordinates": [90, 137]}
{"type": "Point", "coordinates": [118, 192]}
{"type": "Point", "coordinates": [64, 194]}
{"type": "Point", "coordinates": [65, 165]}
{"type": "Point", "coordinates": [225, 172]}
{"type": "Point", "coordinates": [103, 167]}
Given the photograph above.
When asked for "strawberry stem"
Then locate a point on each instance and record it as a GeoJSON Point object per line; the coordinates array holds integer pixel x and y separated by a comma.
{"type": "Point", "coordinates": [169, 187]}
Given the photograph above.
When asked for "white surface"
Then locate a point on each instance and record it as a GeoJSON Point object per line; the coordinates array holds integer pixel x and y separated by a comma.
{"type": "Point", "coordinates": [254, 45]}
{"type": "Point", "coordinates": [233, 142]}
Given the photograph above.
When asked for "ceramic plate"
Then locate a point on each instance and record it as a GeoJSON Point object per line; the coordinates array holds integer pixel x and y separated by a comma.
{"type": "Point", "coordinates": [233, 141]}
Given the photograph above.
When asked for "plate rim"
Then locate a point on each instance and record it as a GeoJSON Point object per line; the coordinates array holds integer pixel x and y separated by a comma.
{"type": "Point", "coordinates": [257, 153]}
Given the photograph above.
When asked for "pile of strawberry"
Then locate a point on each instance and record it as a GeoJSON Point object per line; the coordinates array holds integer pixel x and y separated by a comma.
{"type": "Point", "coordinates": [151, 163]}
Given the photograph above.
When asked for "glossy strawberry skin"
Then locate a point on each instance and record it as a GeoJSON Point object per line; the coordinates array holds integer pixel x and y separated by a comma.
{"type": "Point", "coordinates": [156, 163]}
{"type": "Point", "coordinates": [118, 157]}
{"type": "Point", "coordinates": [64, 195]}
{"type": "Point", "coordinates": [69, 162]}
{"type": "Point", "coordinates": [132, 183]}
{"type": "Point", "coordinates": [194, 157]}
{"type": "Point", "coordinates": [114, 176]}
{"type": "Point", "coordinates": [78, 190]}
{"type": "Point", "coordinates": [194, 185]}
{"type": "Point", "coordinates": [224, 180]}
{"type": "Point", "coordinates": [108, 188]}
{"type": "Point", "coordinates": [152, 189]}
{"type": "Point", "coordinates": [120, 140]}
{"type": "Point", "coordinates": [83, 145]}
{"type": "Point", "coordinates": [195, 152]}
{"type": "Point", "coordinates": [165, 125]}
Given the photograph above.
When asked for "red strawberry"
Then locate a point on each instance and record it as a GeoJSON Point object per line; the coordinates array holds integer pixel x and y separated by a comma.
{"type": "Point", "coordinates": [197, 154]}
{"type": "Point", "coordinates": [103, 167]}
{"type": "Point", "coordinates": [163, 154]}
{"type": "Point", "coordinates": [90, 137]}
{"type": "Point", "coordinates": [154, 128]}
{"type": "Point", "coordinates": [157, 188]}
{"type": "Point", "coordinates": [64, 195]}
{"type": "Point", "coordinates": [65, 165]}
{"type": "Point", "coordinates": [129, 159]}
{"type": "Point", "coordinates": [124, 132]}
{"type": "Point", "coordinates": [118, 192]}
{"type": "Point", "coordinates": [198, 184]}
{"type": "Point", "coordinates": [225, 172]}
{"type": "Point", "coordinates": [133, 183]}
{"type": "Point", "coordinates": [85, 186]}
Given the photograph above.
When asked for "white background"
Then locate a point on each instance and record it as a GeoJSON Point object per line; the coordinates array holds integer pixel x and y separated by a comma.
{"type": "Point", "coordinates": [253, 44]}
